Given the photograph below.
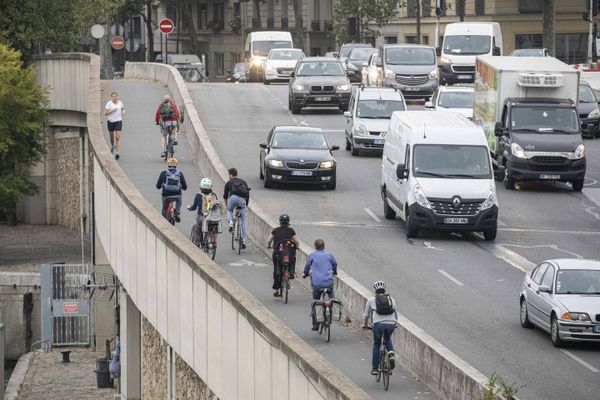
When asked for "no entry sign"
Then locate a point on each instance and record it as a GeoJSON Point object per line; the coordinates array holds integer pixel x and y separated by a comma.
{"type": "Point", "coordinates": [117, 43]}
{"type": "Point", "coordinates": [166, 25]}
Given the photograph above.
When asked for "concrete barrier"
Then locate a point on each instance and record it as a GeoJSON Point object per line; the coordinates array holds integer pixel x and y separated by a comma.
{"type": "Point", "coordinates": [425, 358]}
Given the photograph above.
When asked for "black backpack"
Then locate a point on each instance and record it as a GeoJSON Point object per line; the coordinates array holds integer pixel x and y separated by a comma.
{"type": "Point", "coordinates": [239, 188]}
{"type": "Point", "coordinates": [383, 304]}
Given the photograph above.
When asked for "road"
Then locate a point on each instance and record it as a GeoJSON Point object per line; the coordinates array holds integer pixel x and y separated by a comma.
{"type": "Point", "coordinates": [460, 289]}
{"type": "Point", "coordinates": [140, 150]}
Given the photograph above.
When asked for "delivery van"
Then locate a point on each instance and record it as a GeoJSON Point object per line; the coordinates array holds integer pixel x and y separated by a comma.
{"type": "Point", "coordinates": [256, 50]}
{"type": "Point", "coordinates": [437, 174]}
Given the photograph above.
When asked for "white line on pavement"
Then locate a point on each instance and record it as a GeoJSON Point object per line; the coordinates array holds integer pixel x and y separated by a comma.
{"type": "Point", "coordinates": [579, 360]}
{"type": "Point", "coordinates": [453, 279]}
{"type": "Point", "coordinates": [372, 214]}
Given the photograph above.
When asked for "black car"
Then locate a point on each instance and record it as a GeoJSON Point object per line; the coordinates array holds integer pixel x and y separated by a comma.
{"type": "Point", "coordinates": [357, 59]}
{"type": "Point", "coordinates": [589, 114]}
{"type": "Point", "coordinates": [318, 82]}
{"type": "Point", "coordinates": [297, 154]}
{"type": "Point", "coordinates": [346, 48]}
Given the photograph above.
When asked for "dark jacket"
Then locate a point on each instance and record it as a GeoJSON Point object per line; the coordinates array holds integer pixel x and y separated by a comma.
{"type": "Point", "coordinates": [161, 181]}
{"type": "Point", "coordinates": [228, 191]}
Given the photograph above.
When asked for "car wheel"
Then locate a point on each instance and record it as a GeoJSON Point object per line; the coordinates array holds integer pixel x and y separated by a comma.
{"type": "Point", "coordinates": [577, 185]}
{"type": "Point", "coordinates": [353, 150]}
{"type": "Point", "coordinates": [509, 183]}
{"type": "Point", "coordinates": [411, 230]}
{"type": "Point", "coordinates": [331, 185]}
{"type": "Point", "coordinates": [490, 234]}
{"type": "Point", "coordinates": [554, 332]}
{"type": "Point", "coordinates": [525, 323]}
{"type": "Point", "coordinates": [296, 109]}
{"type": "Point", "coordinates": [348, 145]}
{"type": "Point", "coordinates": [266, 82]}
{"type": "Point", "coordinates": [388, 212]}
{"type": "Point", "coordinates": [344, 108]}
{"type": "Point", "coordinates": [260, 174]}
{"type": "Point", "coordinates": [268, 183]}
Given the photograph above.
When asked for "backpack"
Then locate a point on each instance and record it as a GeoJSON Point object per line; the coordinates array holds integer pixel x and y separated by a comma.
{"type": "Point", "coordinates": [215, 211]}
{"type": "Point", "coordinates": [172, 181]}
{"type": "Point", "coordinates": [383, 304]}
{"type": "Point", "coordinates": [166, 110]}
{"type": "Point", "coordinates": [239, 188]}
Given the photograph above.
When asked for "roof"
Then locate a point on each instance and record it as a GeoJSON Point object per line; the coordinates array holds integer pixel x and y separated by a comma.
{"type": "Point", "coordinates": [356, 45]}
{"type": "Point", "coordinates": [297, 128]}
{"type": "Point", "coordinates": [471, 28]}
{"type": "Point", "coordinates": [379, 93]}
{"type": "Point", "coordinates": [387, 46]}
{"type": "Point", "coordinates": [455, 88]}
{"type": "Point", "coordinates": [541, 100]}
{"type": "Point", "coordinates": [273, 35]}
{"type": "Point", "coordinates": [307, 59]}
{"type": "Point", "coordinates": [438, 127]}
{"type": "Point", "coordinates": [575, 263]}
{"type": "Point", "coordinates": [527, 64]}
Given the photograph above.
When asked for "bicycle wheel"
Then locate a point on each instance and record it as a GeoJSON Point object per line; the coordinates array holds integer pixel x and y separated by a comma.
{"type": "Point", "coordinates": [381, 365]}
{"type": "Point", "coordinates": [386, 371]}
{"type": "Point", "coordinates": [285, 286]}
{"type": "Point", "coordinates": [238, 237]}
{"type": "Point", "coordinates": [213, 241]}
{"type": "Point", "coordinates": [233, 234]}
{"type": "Point", "coordinates": [327, 324]}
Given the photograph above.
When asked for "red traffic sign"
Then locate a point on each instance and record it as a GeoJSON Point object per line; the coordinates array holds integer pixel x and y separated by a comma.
{"type": "Point", "coordinates": [166, 25]}
{"type": "Point", "coordinates": [117, 43]}
{"type": "Point", "coordinates": [70, 308]}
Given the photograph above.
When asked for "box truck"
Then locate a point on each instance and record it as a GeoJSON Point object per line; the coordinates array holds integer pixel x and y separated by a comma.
{"type": "Point", "coordinates": [527, 107]}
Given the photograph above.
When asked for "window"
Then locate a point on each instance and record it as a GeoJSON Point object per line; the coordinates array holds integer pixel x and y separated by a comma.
{"type": "Point", "coordinates": [315, 51]}
{"type": "Point", "coordinates": [220, 64]}
{"type": "Point", "coordinates": [539, 273]}
{"type": "Point", "coordinates": [219, 15]}
{"type": "Point", "coordinates": [235, 58]}
{"type": "Point", "coordinates": [548, 277]}
{"type": "Point", "coordinates": [172, 13]}
{"type": "Point", "coordinates": [316, 9]}
{"type": "Point", "coordinates": [427, 7]}
{"type": "Point", "coordinates": [460, 7]}
{"type": "Point", "coordinates": [411, 8]}
{"type": "Point", "coordinates": [410, 39]}
{"type": "Point", "coordinates": [202, 16]}
{"type": "Point", "coordinates": [479, 7]}
{"type": "Point", "coordinates": [425, 39]}
{"type": "Point", "coordinates": [390, 39]}
{"type": "Point", "coordinates": [530, 5]}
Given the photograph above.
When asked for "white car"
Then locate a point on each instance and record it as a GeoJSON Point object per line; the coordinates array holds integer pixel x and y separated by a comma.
{"type": "Point", "coordinates": [280, 64]}
{"type": "Point", "coordinates": [372, 74]}
{"type": "Point", "coordinates": [458, 99]}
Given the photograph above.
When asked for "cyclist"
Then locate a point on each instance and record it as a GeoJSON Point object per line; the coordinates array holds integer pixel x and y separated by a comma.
{"type": "Point", "coordinates": [201, 204]}
{"type": "Point", "coordinates": [381, 308]}
{"type": "Point", "coordinates": [167, 115]}
{"type": "Point", "coordinates": [322, 266]}
{"type": "Point", "coordinates": [171, 181]}
{"type": "Point", "coordinates": [281, 234]}
{"type": "Point", "coordinates": [237, 194]}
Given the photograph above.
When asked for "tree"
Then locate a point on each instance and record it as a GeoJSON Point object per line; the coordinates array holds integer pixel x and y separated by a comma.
{"type": "Point", "coordinates": [548, 39]}
{"type": "Point", "coordinates": [369, 14]}
{"type": "Point", "coordinates": [23, 112]}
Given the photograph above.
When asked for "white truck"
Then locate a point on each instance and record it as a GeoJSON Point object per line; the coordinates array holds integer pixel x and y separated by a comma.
{"type": "Point", "coordinates": [527, 107]}
{"type": "Point", "coordinates": [256, 50]}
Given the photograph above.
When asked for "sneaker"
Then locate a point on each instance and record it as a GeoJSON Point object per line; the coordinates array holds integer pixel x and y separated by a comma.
{"type": "Point", "coordinates": [112, 149]}
{"type": "Point", "coordinates": [277, 294]}
{"type": "Point", "coordinates": [117, 156]}
{"type": "Point", "coordinates": [374, 371]}
{"type": "Point", "coordinates": [243, 245]}
{"type": "Point", "coordinates": [175, 142]}
{"type": "Point", "coordinates": [292, 275]}
{"type": "Point", "coordinates": [392, 361]}
{"type": "Point", "coordinates": [163, 154]}
{"type": "Point", "coordinates": [315, 327]}
{"type": "Point", "coordinates": [230, 226]}
{"type": "Point", "coordinates": [177, 219]}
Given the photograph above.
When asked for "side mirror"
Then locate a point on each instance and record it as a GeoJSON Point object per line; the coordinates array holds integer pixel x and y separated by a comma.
{"type": "Point", "coordinates": [401, 171]}
{"type": "Point", "coordinates": [335, 147]}
{"type": "Point", "coordinates": [228, 71]}
{"type": "Point", "coordinates": [365, 64]}
{"type": "Point", "coordinates": [428, 104]}
{"type": "Point", "coordinates": [500, 173]}
{"type": "Point", "coordinates": [438, 51]}
{"type": "Point", "coordinates": [543, 289]}
{"type": "Point", "coordinates": [496, 51]}
{"type": "Point", "coordinates": [292, 74]}
{"type": "Point", "coordinates": [379, 65]}
{"type": "Point", "coordinates": [263, 145]}
{"type": "Point", "coordinates": [499, 129]}
{"type": "Point", "coordinates": [347, 114]}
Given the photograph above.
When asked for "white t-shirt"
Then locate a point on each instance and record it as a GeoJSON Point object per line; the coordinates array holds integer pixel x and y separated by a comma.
{"type": "Point", "coordinates": [117, 115]}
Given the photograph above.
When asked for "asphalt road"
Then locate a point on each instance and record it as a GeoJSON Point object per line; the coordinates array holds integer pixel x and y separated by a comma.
{"type": "Point", "coordinates": [140, 151]}
{"type": "Point", "coordinates": [460, 289]}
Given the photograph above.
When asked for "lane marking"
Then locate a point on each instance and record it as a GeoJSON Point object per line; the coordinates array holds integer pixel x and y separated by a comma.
{"type": "Point", "coordinates": [453, 279]}
{"type": "Point", "coordinates": [249, 263]}
{"type": "Point", "coordinates": [430, 247]}
{"type": "Point", "coordinates": [580, 361]}
{"type": "Point", "coordinates": [550, 246]}
{"type": "Point", "coordinates": [372, 214]}
{"type": "Point", "coordinates": [509, 256]}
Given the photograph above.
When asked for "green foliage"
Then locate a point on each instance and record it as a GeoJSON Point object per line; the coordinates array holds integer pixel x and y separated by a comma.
{"type": "Point", "coordinates": [22, 117]}
{"type": "Point", "coordinates": [496, 385]}
{"type": "Point", "coordinates": [370, 15]}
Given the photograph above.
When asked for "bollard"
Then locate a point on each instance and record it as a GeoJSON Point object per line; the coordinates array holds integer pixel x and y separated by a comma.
{"type": "Point", "coordinates": [66, 356]}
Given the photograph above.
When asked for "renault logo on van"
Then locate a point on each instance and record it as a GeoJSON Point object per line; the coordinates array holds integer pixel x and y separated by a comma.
{"type": "Point", "coordinates": [456, 202]}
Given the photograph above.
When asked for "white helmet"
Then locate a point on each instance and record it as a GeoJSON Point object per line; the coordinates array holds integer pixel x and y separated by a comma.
{"type": "Point", "coordinates": [205, 183]}
{"type": "Point", "coordinates": [379, 285]}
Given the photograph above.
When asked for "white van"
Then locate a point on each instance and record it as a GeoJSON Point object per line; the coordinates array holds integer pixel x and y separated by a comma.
{"type": "Point", "coordinates": [436, 174]}
{"type": "Point", "coordinates": [258, 45]}
{"type": "Point", "coordinates": [463, 41]}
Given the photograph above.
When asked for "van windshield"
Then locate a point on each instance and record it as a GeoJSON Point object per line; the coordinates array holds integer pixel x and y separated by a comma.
{"type": "Point", "coordinates": [467, 45]}
{"type": "Point", "coordinates": [451, 161]}
{"type": "Point", "coordinates": [544, 119]}
{"type": "Point", "coordinates": [410, 56]}
{"type": "Point", "coordinates": [262, 47]}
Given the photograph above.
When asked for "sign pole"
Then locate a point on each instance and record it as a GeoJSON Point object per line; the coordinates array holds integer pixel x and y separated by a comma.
{"type": "Point", "coordinates": [161, 49]}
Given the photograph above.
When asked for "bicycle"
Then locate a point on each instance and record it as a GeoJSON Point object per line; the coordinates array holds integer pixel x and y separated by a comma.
{"type": "Point", "coordinates": [285, 260]}
{"type": "Point", "coordinates": [236, 233]}
{"type": "Point", "coordinates": [385, 369]}
{"type": "Point", "coordinates": [170, 151]}
{"type": "Point", "coordinates": [325, 304]}
{"type": "Point", "coordinates": [209, 240]}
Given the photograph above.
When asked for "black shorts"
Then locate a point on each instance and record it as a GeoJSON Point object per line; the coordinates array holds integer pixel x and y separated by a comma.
{"type": "Point", "coordinates": [114, 126]}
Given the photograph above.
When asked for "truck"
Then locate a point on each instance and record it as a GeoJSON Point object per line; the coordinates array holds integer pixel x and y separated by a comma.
{"type": "Point", "coordinates": [257, 47]}
{"type": "Point", "coordinates": [527, 107]}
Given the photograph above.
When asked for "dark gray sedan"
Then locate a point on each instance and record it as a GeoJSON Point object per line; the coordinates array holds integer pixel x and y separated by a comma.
{"type": "Point", "coordinates": [562, 297]}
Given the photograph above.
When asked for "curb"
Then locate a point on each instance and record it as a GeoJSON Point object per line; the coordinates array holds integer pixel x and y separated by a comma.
{"type": "Point", "coordinates": [17, 377]}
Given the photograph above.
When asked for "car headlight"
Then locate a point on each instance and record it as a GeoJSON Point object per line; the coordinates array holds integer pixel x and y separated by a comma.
{"type": "Point", "coordinates": [276, 163]}
{"type": "Point", "coordinates": [269, 67]}
{"type": "Point", "coordinates": [389, 73]}
{"type": "Point", "coordinates": [420, 196]}
{"type": "Point", "coordinates": [383, 133]}
{"type": "Point", "coordinates": [360, 130]}
{"type": "Point", "coordinates": [580, 151]}
{"type": "Point", "coordinates": [575, 316]}
{"type": "Point", "coordinates": [594, 114]}
{"type": "Point", "coordinates": [433, 74]}
{"type": "Point", "coordinates": [344, 88]}
{"type": "Point", "coordinates": [444, 60]}
{"type": "Point", "coordinates": [257, 61]}
{"type": "Point", "coordinates": [490, 201]}
{"type": "Point", "coordinates": [298, 87]}
{"type": "Point", "coordinates": [326, 164]}
{"type": "Point", "coordinates": [517, 151]}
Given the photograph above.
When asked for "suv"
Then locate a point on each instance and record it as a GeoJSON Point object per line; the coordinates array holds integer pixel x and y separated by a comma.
{"type": "Point", "coordinates": [367, 121]}
{"type": "Point", "coordinates": [412, 68]}
{"type": "Point", "coordinates": [318, 82]}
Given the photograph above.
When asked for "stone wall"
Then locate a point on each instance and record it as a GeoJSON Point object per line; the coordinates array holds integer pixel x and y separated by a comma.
{"type": "Point", "coordinates": [154, 363]}
{"type": "Point", "coordinates": [188, 384]}
{"type": "Point", "coordinates": [67, 146]}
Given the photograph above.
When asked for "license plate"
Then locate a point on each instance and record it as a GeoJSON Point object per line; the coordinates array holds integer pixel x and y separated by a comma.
{"type": "Point", "coordinates": [597, 328]}
{"type": "Point", "coordinates": [412, 89]}
{"type": "Point", "coordinates": [323, 98]}
{"type": "Point", "coordinates": [285, 72]}
{"type": "Point", "coordinates": [378, 141]}
{"type": "Point", "coordinates": [550, 177]}
{"type": "Point", "coordinates": [465, 77]}
{"type": "Point", "coordinates": [302, 173]}
{"type": "Point", "coordinates": [456, 220]}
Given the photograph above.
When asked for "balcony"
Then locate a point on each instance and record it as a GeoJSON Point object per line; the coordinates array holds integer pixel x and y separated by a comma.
{"type": "Point", "coordinates": [315, 25]}
{"type": "Point", "coordinates": [285, 23]}
{"type": "Point", "coordinates": [270, 23]}
{"type": "Point", "coordinates": [328, 25]}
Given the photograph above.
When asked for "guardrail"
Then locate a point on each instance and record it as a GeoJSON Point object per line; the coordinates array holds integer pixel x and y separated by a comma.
{"type": "Point", "coordinates": [425, 358]}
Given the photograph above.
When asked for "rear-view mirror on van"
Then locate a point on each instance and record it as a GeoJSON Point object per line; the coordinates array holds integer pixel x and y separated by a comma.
{"type": "Point", "coordinates": [401, 171]}
{"type": "Point", "coordinates": [496, 51]}
{"type": "Point", "coordinates": [499, 129]}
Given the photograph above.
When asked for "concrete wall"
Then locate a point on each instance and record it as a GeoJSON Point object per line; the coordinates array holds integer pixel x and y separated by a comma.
{"type": "Point", "coordinates": [442, 371]}
{"type": "Point", "coordinates": [154, 363]}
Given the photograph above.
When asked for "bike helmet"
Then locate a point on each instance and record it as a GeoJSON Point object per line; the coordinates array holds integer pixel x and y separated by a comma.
{"type": "Point", "coordinates": [284, 219]}
{"type": "Point", "coordinates": [205, 183]}
{"type": "Point", "coordinates": [172, 162]}
{"type": "Point", "coordinates": [379, 285]}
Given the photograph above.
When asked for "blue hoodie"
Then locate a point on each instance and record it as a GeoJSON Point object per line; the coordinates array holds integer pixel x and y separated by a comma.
{"type": "Point", "coordinates": [323, 265]}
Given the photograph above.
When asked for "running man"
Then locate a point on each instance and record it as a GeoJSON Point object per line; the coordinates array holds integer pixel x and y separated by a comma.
{"type": "Point", "coordinates": [114, 110]}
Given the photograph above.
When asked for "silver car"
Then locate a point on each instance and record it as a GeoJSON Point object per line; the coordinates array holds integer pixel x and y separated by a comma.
{"type": "Point", "coordinates": [562, 297]}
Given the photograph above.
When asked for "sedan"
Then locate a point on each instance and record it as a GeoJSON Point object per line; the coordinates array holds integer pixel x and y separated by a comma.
{"type": "Point", "coordinates": [297, 154]}
{"type": "Point", "coordinates": [562, 297]}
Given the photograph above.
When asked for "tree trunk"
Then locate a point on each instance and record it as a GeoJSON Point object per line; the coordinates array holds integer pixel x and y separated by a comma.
{"type": "Point", "coordinates": [192, 28]}
{"type": "Point", "coordinates": [149, 32]}
{"type": "Point", "coordinates": [418, 15]}
{"type": "Point", "coordinates": [548, 40]}
{"type": "Point", "coordinates": [298, 26]}
{"type": "Point", "coordinates": [178, 22]}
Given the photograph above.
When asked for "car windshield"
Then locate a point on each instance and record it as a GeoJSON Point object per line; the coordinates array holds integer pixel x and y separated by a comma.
{"type": "Point", "coordinates": [361, 54]}
{"type": "Point", "coordinates": [262, 47]}
{"type": "Point", "coordinates": [451, 161]}
{"type": "Point", "coordinates": [409, 56]}
{"type": "Point", "coordinates": [320, 68]}
{"type": "Point", "coordinates": [299, 140]}
{"type": "Point", "coordinates": [456, 100]}
{"type": "Point", "coordinates": [528, 53]}
{"type": "Point", "coordinates": [347, 49]}
{"type": "Point", "coordinates": [467, 44]}
{"type": "Point", "coordinates": [380, 109]}
{"type": "Point", "coordinates": [545, 119]}
{"type": "Point", "coordinates": [578, 281]}
{"type": "Point", "coordinates": [285, 55]}
{"type": "Point", "coordinates": [586, 94]}
{"type": "Point", "coordinates": [239, 68]}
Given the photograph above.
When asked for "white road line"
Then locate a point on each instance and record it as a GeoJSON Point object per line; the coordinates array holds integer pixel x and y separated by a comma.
{"type": "Point", "coordinates": [511, 257]}
{"type": "Point", "coordinates": [453, 279]}
{"type": "Point", "coordinates": [579, 360]}
{"type": "Point", "coordinates": [372, 214]}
